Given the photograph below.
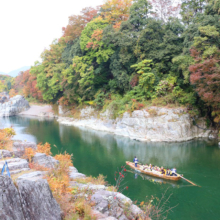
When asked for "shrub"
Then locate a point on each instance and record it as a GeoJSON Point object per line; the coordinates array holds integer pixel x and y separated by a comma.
{"type": "Point", "coordinates": [36, 166]}
{"type": "Point", "coordinates": [5, 138]}
{"type": "Point", "coordinates": [29, 154]}
{"type": "Point", "coordinates": [44, 148]}
{"type": "Point", "coordinates": [152, 112]}
{"type": "Point", "coordinates": [100, 180]}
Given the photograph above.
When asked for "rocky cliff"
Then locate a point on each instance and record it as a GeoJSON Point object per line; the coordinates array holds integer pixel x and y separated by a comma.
{"type": "Point", "coordinates": [13, 106]}
{"type": "Point", "coordinates": [27, 195]}
{"type": "Point", "coordinates": [151, 124]}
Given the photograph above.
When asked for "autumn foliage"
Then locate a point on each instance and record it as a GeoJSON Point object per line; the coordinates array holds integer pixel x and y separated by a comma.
{"type": "Point", "coordinates": [44, 148]}
{"type": "Point", "coordinates": [78, 22]}
{"type": "Point", "coordinates": [116, 11]}
{"type": "Point", "coordinates": [5, 138]}
{"type": "Point", "coordinates": [205, 75]}
{"type": "Point", "coordinates": [26, 84]}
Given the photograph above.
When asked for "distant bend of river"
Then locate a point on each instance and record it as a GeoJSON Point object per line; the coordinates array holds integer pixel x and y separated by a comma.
{"type": "Point", "coordinates": [96, 152]}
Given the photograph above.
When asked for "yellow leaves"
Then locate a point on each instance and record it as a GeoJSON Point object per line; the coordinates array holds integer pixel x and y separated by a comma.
{"type": "Point", "coordinates": [10, 132]}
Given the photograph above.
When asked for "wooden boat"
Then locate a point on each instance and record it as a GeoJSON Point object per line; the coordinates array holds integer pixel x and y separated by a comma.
{"type": "Point", "coordinates": [153, 173]}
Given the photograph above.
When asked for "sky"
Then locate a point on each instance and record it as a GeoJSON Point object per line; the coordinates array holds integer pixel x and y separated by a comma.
{"type": "Point", "coordinates": [27, 27]}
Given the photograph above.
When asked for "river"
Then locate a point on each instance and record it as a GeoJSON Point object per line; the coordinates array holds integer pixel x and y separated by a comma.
{"type": "Point", "coordinates": [96, 152]}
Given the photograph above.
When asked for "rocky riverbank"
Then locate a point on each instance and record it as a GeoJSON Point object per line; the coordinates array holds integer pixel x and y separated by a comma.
{"type": "Point", "coordinates": [27, 194]}
{"type": "Point", "coordinates": [151, 124]}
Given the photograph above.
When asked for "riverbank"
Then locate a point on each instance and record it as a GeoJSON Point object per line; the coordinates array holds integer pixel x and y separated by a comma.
{"type": "Point", "coordinates": [155, 124]}
{"type": "Point", "coordinates": [31, 178]}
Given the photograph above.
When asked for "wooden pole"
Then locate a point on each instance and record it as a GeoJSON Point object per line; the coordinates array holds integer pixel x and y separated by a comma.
{"type": "Point", "coordinates": [188, 181]}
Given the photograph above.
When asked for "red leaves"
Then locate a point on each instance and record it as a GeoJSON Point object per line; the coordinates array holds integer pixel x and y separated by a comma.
{"type": "Point", "coordinates": [78, 22]}
{"type": "Point", "coordinates": [205, 75]}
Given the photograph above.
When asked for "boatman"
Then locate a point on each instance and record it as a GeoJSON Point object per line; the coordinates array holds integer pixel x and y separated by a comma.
{"type": "Point", "coordinates": [173, 172]}
{"type": "Point", "coordinates": [135, 161]}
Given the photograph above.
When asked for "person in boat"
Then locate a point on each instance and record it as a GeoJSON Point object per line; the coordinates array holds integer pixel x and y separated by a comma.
{"type": "Point", "coordinates": [135, 161]}
{"type": "Point", "coordinates": [162, 170]}
{"type": "Point", "coordinates": [173, 172]}
{"type": "Point", "coordinates": [150, 167]}
{"type": "Point", "coordinates": [145, 166]}
{"type": "Point", "coordinates": [168, 172]}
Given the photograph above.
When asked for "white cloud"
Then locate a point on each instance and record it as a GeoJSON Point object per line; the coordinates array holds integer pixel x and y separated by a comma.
{"type": "Point", "coordinates": [29, 26]}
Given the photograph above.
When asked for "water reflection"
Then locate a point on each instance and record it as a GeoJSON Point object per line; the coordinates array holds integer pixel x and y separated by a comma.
{"type": "Point", "coordinates": [97, 152]}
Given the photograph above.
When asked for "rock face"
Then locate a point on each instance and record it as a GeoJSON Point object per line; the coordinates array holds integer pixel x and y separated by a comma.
{"type": "Point", "coordinates": [31, 200]}
{"type": "Point", "coordinates": [14, 106]}
{"type": "Point", "coordinates": [37, 200]}
{"type": "Point", "coordinates": [19, 148]}
{"type": "Point", "coordinates": [44, 160]}
{"type": "Point", "coordinates": [152, 124]}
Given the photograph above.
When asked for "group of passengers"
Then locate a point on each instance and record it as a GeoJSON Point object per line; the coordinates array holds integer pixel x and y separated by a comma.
{"type": "Point", "coordinates": [168, 172]}
{"type": "Point", "coordinates": [161, 170]}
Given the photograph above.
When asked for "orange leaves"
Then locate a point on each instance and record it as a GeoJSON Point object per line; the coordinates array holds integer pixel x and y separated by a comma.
{"type": "Point", "coordinates": [97, 34]}
{"type": "Point", "coordinates": [116, 11]}
{"type": "Point", "coordinates": [63, 101]}
{"type": "Point", "coordinates": [29, 153]}
{"type": "Point", "coordinates": [44, 148]}
{"type": "Point", "coordinates": [5, 138]}
{"type": "Point", "coordinates": [96, 37]}
{"type": "Point", "coordinates": [12, 93]}
{"type": "Point", "coordinates": [26, 84]}
{"type": "Point", "coordinates": [65, 159]}
{"type": "Point", "coordinates": [77, 23]}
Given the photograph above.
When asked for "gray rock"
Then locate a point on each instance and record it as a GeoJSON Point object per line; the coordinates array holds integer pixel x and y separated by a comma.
{"type": "Point", "coordinates": [33, 176]}
{"type": "Point", "coordinates": [77, 175]}
{"type": "Point", "coordinates": [19, 147]}
{"type": "Point", "coordinates": [10, 204]}
{"type": "Point", "coordinates": [44, 160]}
{"type": "Point", "coordinates": [15, 164]}
{"type": "Point", "coordinates": [88, 186]}
{"type": "Point", "coordinates": [135, 210]}
{"type": "Point", "coordinates": [5, 153]}
{"type": "Point", "coordinates": [37, 200]}
{"type": "Point", "coordinates": [14, 106]}
{"type": "Point", "coordinates": [153, 124]}
{"type": "Point", "coordinates": [73, 170]}
{"type": "Point", "coordinates": [19, 171]}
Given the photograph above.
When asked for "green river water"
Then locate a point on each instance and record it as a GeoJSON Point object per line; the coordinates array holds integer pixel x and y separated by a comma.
{"type": "Point", "coordinates": [96, 152]}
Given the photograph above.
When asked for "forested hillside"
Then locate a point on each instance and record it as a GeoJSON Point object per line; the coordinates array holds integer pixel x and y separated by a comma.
{"type": "Point", "coordinates": [127, 54]}
{"type": "Point", "coordinates": [6, 83]}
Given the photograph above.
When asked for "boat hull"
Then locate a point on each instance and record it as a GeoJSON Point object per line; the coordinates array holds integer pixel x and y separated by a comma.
{"type": "Point", "coordinates": [151, 173]}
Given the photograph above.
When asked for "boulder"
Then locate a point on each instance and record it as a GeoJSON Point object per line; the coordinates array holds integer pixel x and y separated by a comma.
{"type": "Point", "coordinates": [5, 153]}
{"type": "Point", "coordinates": [14, 106]}
{"type": "Point", "coordinates": [19, 147]}
{"type": "Point", "coordinates": [10, 204]}
{"type": "Point", "coordinates": [37, 200]}
{"type": "Point", "coordinates": [44, 160]}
